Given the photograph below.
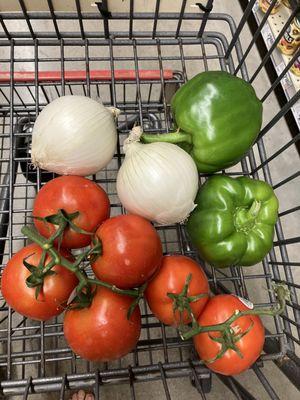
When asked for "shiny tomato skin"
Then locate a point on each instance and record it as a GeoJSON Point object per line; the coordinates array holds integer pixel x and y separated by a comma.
{"type": "Point", "coordinates": [131, 251]}
{"type": "Point", "coordinates": [102, 331]}
{"type": "Point", "coordinates": [72, 193]}
{"type": "Point", "coordinates": [54, 294]}
{"type": "Point", "coordinates": [171, 278]}
{"type": "Point", "coordinates": [218, 310]}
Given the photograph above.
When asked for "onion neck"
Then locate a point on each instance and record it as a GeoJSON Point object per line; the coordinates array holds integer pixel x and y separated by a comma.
{"type": "Point", "coordinates": [133, 139]}
{"type": "Point", "coordinates": [114, 111]}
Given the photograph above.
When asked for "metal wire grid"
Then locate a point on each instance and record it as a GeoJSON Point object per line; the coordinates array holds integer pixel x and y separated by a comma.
{"type": "Point", "coordinates": [35, 356]}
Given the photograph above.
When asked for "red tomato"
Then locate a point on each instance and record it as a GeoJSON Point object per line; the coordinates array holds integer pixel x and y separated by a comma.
{"type": "Point", "coordinates": [131, 251]}
{"type": "Point", "coordinates": [102, 331]}
{"type": "Point", "coordinates": [54, 293]}
{"type": "Point", "coordinates": [171, 278]}
{"type": "Point", "coordinates": [71, 194]}
{"type": "Point", "coordinates": [218, 310]}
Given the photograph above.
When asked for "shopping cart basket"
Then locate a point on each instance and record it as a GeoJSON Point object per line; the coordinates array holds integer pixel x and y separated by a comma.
{"type": "Point", "coordinates": [134, 55]}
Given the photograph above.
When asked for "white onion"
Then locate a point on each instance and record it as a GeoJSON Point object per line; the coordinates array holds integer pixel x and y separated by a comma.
{"type": "Point", "coordinates": [74, 135]}
{"type": "Point", "coordinates": [158, 181]}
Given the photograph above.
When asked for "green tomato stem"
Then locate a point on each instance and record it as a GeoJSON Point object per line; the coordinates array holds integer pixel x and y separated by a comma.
{"type": "Point", "coordinates": [57, 258]}
{"type": "Point", "coordinates": [113, 288]}
{"type": "Point", "coordinates": [35, 237]}
{"type": "Point", "coordinates": [281, 292]}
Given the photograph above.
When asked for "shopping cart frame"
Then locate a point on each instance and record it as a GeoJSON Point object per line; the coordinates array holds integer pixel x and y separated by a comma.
{"type": "Point", "coordinates": [279, 345]}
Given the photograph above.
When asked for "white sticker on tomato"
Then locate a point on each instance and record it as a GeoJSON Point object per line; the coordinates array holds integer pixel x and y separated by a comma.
{"type": "Point", "coordinates": [246, 302]}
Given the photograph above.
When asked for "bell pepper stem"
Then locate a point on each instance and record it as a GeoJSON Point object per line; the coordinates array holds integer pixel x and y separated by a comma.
{"type": "Point", "coordinates": [171, 137]}
{"type": "Point", "coordinates": [254, 209]}
{"type": "Point", "coordinates": [245, 219]}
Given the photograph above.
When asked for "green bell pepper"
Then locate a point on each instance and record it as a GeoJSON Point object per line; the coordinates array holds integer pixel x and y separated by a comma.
{"type": "Point", "coordinates": [233, 222]}
{"type": "Point", "coordinates": [218, 117]}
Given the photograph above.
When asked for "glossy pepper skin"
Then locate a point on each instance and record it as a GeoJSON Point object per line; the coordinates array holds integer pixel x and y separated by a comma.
{"type": "Point", "coordinates": [233, 223]}
{"type": "Point", "coordinates": [218, 116]}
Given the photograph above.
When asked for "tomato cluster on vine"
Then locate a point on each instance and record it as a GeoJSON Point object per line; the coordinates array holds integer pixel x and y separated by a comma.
{"type": "Point", "coordinates": [44, 279]}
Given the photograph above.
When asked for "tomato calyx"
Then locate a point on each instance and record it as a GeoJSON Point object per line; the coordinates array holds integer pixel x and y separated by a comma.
{"type": "Point", "coordinates": [230, 335]}
{"type": "Point", "coordinates": [136, 301]}
{"type": "Point", "coordinates": [228, 340]}
{"type": "Point", "coordinates": [81, 297]}
{"type": "Point", "coordinates": [38, 273]}
{"type": "Point", "coordinates": [181, 302]}
{"type": "Point", "coordinates": [63, 220]}
{"type": "Point", "coordinates": [96, 250]}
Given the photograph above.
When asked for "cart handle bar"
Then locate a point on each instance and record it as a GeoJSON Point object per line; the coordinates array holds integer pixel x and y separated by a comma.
{"type": "Point", "coordinates": [94, 75]}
